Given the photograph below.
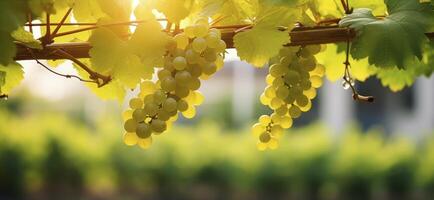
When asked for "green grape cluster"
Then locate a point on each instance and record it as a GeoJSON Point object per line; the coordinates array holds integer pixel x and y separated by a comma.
{"type": "Point", "coordinates": [193, 55]}
{"type": "Point", "coordinates": [291, 85]}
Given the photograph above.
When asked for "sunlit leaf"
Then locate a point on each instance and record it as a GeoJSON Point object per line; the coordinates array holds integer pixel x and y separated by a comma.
{"type": "Point", "coordinates": [26, 38]}
{"type": "Point", "coordinates": [13, 74]}
{"type": "Point", "coordinates": [393, 40]}
{"type": "Point", "coordinates": [264, 40]}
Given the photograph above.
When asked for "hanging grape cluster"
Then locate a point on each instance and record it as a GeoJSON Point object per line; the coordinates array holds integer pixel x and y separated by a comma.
{"type": "Point", "coordinates": [291, 85]}
{"type": "Point", "coordinates": [193, 55]}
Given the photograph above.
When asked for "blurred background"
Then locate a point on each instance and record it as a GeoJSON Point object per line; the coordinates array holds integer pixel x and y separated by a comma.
{"type": "Point", "coordinates": [59, 141]}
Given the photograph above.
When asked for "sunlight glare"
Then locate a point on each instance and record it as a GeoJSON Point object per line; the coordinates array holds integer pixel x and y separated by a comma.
{"type": "Point", "coordinates": [134, 5]}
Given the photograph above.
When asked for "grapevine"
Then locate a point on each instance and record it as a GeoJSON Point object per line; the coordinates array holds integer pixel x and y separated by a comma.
{"type": "Point", "coordinates": [184, 43]}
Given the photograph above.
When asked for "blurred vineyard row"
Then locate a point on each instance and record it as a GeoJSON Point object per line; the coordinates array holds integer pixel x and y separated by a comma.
{"type": "Point", "coordinates": [54, 156]}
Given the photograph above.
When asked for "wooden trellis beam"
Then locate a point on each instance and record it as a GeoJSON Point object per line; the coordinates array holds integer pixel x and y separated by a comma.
{"type": "Point", "coordinates": [299, 36]}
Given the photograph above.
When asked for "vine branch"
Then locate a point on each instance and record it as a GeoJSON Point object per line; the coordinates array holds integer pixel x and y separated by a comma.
{"type": "Point", "coordinates": [57, 73]}
{"type": "Point", "coordinates": [92, 74]}
{"type": "Point", "coordinates": [349, 81]}
{"type": "Point", "coordinates": [59, 25]}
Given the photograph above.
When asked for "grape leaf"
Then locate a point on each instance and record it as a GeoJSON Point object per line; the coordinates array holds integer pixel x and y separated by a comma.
{"type": "Point", "coordinates": [149, 43]}
{"type": "Point", "coordinates": [174, 10]}
{"type": "Point", "coordinates": [332, 9]}
{"type": "Point", "coordinates": [112, 56]}
{"type": "Point", "coordinates": [233, 11]}
{"type": "Point", "coordinates": [114, 90]}
{"type": "Point", "coordinates": [86, 10]}
{"type": "Point", "coordinates": [264, 41]}
{"type": "Point", "coordinates": [2, 79]}
{"type": "Point", "coordinates": [12, 15]}
{"type": "Point", "coordinates": [396, 79]}
{"type": "Point", "coordinates": [26, 38]}
{"type": "Point", "coordinates": [13, 74]}
{"type": "Point", "coordinates": [7, 48]}
{"type": "Point", "coordinates": [393, 40]}
{"type": "Point", "coordinates": [39, 6]}
{"type": "Point", "coordinates": [335, 69]}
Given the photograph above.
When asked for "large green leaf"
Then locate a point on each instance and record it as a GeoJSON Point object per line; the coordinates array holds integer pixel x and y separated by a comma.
{"type": "Point", "coordinates": [396, 79]}
{"type": "Point", "coordinates": [264, 40]}
{"type": "Point", "coordinates": [110, 56]}
{"type": "Point", "coordinates": [26, 38]}
{"type": "Point", "coordinates": [12, 15]}
{"type": "Point", "coordinates": [393, 40]}
{"type": "Point", "coordinates": [114, 90]}
{"type": "Point", "coordinates": [13, 74]}
{"type": "Point", "coordinates": [335, 69]}
{"type": "Point", "coordinates": [232, 11]}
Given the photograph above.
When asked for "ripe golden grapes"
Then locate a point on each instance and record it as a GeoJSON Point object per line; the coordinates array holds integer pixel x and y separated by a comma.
{"type": "Point", "coordinates": [291, 85]}
{"type": "Point", "coordinates": [198, 55]}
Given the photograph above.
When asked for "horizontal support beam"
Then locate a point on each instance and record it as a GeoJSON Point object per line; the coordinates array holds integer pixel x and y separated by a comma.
{"type": "Point", "coordinates": [299, 36]}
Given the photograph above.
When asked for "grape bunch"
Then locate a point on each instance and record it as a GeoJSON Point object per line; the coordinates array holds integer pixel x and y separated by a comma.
{"type": "Point", "coordinates": [192, 56]}
{"type": "Point", "coordinates": [291, 85]}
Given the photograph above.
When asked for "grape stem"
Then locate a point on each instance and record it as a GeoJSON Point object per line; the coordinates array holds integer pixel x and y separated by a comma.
{"type": "Point", "coordinates": [59, 25]}
{"type": "Point", "coordinates": [347, 78]}
{"type": "Point", "coordinates": [30, 19]}
{"type": "Point", "coordinates": [346, 6]}
{"type": "Point", "coordinates": [57, 73]}
{"type": "Point", "coordinates": [92, 74]}
{"type": "Point", "coordinates": [217, 20]}
{"type": "Point", "coordinates": [47, 37]}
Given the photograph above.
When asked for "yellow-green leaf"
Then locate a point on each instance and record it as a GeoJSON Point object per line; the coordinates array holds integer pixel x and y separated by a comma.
{"type": "Point", "coordinates": [264, 40]}
{"type": "Point", "coordinates": [13, 75]}
{"type": "Point", "coordinates": [335, 69]}
{"type": "Point", "coordinates": [26, 38]}
{"type": "Point", "coordinates": [258, 45]}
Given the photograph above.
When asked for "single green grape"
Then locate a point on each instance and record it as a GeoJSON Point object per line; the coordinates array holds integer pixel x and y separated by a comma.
{"type": "Point", "coordinates": [199, 45]}
{"type": "Point", "coordinates": [258, 129]}
{"type": "Point", "coordinates": [194, 84]}
{"type": "Point", "coordinates": [170, 105]}
{"type": "Point", "coordinates": [282, 92]}
{"type": "Point", "coordinates": [212, 40]}
{"type": "Point", "coordinates": [159, 96]}
{"type": "Point", "coordinates": [265, 137]}
{"type": "Point", "coordinates": [191, 56]}
{"type": "Point", "coordinates": [130, 125]}
{"type": "Point", "coordinates": [168, 84]}
{"type": "Point", "coordinates": [286, 122]}
{"type": "Point", "coordinates": [200, 30]}
{"type": "Point", "coordinates": [182, 77]}
{"type": "Point", "coordinates": [136, 103]}
{"type": "Point", "coordinates": [143, 130]}
{"type": "Point", "coordinates": [265, 120]}
{"type": "Point", "coordinates": [158, 125]}
{"type": "Point", "coordinates": [182, 91]}
{"type": "Point", "coordinates": [294, 111]}
{"type": "Point", "coordinates": [151, 109]}
{"type": "Point", "coordinates": [209, 68]}
{"type": "Point", "coordinates": [130, 139]}
{"type": "Point", "coordinates": [181, 40]}
{"type": "Point", "coordinates": [139, 115]}
{"type": "Point", "coordinates": [179, 63]}
{"type": "Point", "coordinates": [210, 55]}
{"type": "Point", "coordinates": [316, 81]}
